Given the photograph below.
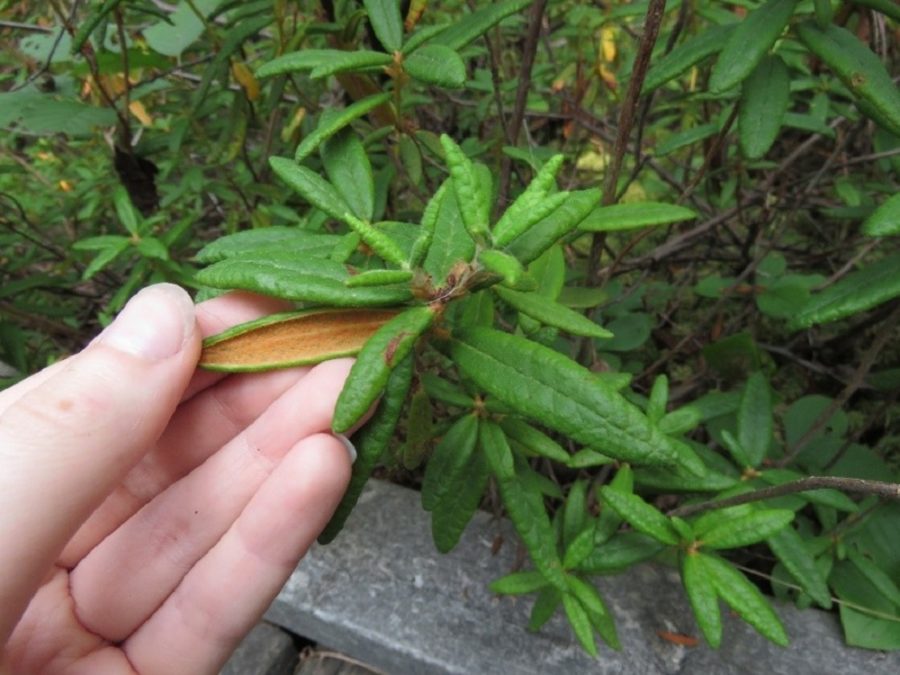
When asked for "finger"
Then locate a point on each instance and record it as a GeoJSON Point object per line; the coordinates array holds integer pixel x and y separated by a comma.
{"type": "Point", "coordinates": [198, 625]}
{"type": "Point", "coordinates": [65, 444]}
{"type": "Point", "coordinates": [217, 314]}
{"type": "Point", "coordinates": [127, 576]}
{"type": "Point", "coordinates": [199, 427]}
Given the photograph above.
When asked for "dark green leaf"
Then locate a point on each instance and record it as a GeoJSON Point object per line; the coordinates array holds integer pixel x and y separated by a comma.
{"type": "Point", "coordinates": [641, 516]}
{"type": "Point", "coordinates": [747, 529]}
{"type": "Point", "coordinates": [356, 61]}
{"type": "Point", "coordinates": [686, 55]}
{"type": "Point", "coordinates": [449, 459]}
{"type": "Point", "coordinates": [754, 420]}
{"type": "Point", "coordinates": [459, 503]}
{"type": "Point", "coordinates": [620, 553]}
{"type": "Point", "coordinates": [789, 548]}
{"type": "Point", "coordinates": [765, 98]}
{"type": "Point", "coordinates": [265, 239]}
{"type": "Point", "coordinates": [544, 607]}
{"type": "Point", "coordinates": [473, 25]}
{"type": "Point", "coordinates": [350, 171]}
{"type": "Point", "coordinates": [633, 215]}
{"type": "Point", "coordinates": [543, 234]}
{"type": "Point", "coordinates": [551, 313]}
{"type": "Point", "coordinates": [885, 220]}
{"type": "Point", "coordinates": [580, 622]}
{"type": "Point", "coordinates": [312, 187]}
{"type": "Point", "coordinates": [533, 441]}
{"type": "Point", "coordinates": [384, 15]}
{"type": "Point", "coordinates": [438, 65]}
{"type": "Point", "coordinates": [330, 124]}
{"type": "Point", "coordinates": [702, 596]}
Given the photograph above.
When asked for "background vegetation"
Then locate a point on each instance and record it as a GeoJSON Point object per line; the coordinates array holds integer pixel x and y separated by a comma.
{"type": "Point", "coordinates": [753, 319]}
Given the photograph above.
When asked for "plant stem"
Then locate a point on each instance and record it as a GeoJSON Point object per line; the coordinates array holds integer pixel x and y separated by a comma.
{"type": "Point", "coordinates": [870, 487]}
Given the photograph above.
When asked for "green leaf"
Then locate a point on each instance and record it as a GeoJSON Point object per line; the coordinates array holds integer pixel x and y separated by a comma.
{"type": "Point", "coordinates": [765, 98]}
{"type": "Point", "coordinates": [886, 7]}
{"type": "Point", "coordinates": [684, 56]}
{"type": "Point", "coordinates": [370, 443]}
{"type": "Point", "coordinates": [378, 278]}
{"type": "Point", "coordinates": [620, 553]}
{"type": "Point", "coordinates": [440, 389]}
{"type": "Point", "coordinates": [472, 195]}
{"type": "Point", "coordinates": [93, 20]}
{"type": "Point", "coordinates": [438, 65]}
{"type": "Point", "coordinates": [519, 583]}
{"type": "Point", "coordinates": [885, 220]}
{"type": "Point", "coordinates": [874, 284]}
{"type": "Point", "coordinates": [305, 59]}
{"type": "Point", "coordinates": [451, 243]}
{"type": "Point", "coordinates": [551, 313]}
{"type": "Point", "coordinates": [387, 347]}
{"type": "Point", "coordinates": [534, 441]}
{"type": "Point", "coordinates": [525, 507]}
{"type": "Point", "coordinates": [544, 607]}
{"type": "Point", "coordinates": [579, 549]}
{"type": "Point", "coordinates": [718, 517]}
{"type": "Point", "coordinates": [422, 245]}
{"type": "Point", "coordinates": [859, 69]}
{"type": "Point", "coordinates": [459, 503]}
{"type": "Point", "coordinates": [268, 239]}
{"type": "Point", "coordinates": [503, 265]}
{"type": "Point", "coordinates": [355, 61]}
{"type": "Point", "coordinates": [449, 459]}
{"type": "Point", "coordinates": [750, 42]}
{"type": "Point", "coordinates": [384, 15]}
{"type": "Point", "coordinates": [641, 516]}
{"type": "Point", "coordinates": [349, 170]}
{"type": "Point", "coordinates": [470, 26]}
{"type": "Point", "coordinates": [575, 512]}
{"type": "Point", "coordinates": [128, 216]}
{"type": "Point", "coordinates": [587, 595]}
{"type": "Point", "coordinates": [180, 29]}
{"type": "Point", "coordinates": [580, 622]}
{"type": "Point", "coordinates": [702, 595]}
{"type": "Point", "coordinates": [543, 234]}
{"type": "Point", "coordinates": [532, 205]}
{"type": "Point", "coordinates": [744, 598]}
{"type": "Point", "coordinates": [106, 255]}
{"type": "Point", "coordinates": [332, 122]}
{"type": "Point", "coordinates": [747, 529]}
{"type": "Point", "coordinates": [659, 397]}
{"type": "Point", "coordinates": [754, 420]}
{"type": "Point", "coordinates": [286, 275]}
{"type": "Point", "coordinates": [312, 187]}
{"type": "Point", "coordinates": [790, 550]}
{"type": "Point", "coordinates": [609, 519]}
{"type": "Point", "coordinates": [630, 216]}
{"type": "Point", "coordinates": [680, 421]}
{"type": "Point", "coordinates": [380, 242]}
{"type": "Point", "coordinates": [824, 12]}
{"type": "Point", "coordinates": [548, 386]}
{"type": "Point", "coordinates": [886, 586]}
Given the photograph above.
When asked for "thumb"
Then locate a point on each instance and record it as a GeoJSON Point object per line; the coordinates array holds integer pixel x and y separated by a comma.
{"type": "Point", "coordinates": [71, 435]}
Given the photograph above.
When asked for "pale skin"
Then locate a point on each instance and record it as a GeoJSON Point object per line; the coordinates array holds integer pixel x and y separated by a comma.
{"type": "Point", "coordinates": [150, 512]}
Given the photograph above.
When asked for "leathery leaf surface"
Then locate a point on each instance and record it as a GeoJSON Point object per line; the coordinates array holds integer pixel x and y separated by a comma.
{"type": "Point", "coordinates": [548, 386]}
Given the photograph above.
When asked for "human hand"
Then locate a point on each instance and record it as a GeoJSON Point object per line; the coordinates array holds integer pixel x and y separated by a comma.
{"type": "Point", "coordinates": [150, 513]}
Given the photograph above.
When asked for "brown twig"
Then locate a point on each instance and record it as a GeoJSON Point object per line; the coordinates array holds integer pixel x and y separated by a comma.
{"type": "Point", "coordinates": [858, 485]}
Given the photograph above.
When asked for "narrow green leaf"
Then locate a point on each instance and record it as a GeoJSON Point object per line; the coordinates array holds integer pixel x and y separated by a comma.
{"type": "Point", "coordinates": [429, 223]}
{"type": "Point", "coordinates": [859, 69]}
{"type": "Point", "coordinates": [546, 232]}
{"type": "Point", "coordinates": [747, 529]}
{"type": "Point", "coordinates": [545, 606]}
{"type": "Point", "coordinates": [744, 598]}
{"type": "Point", "coordinates": [684, 56]}
{"type": "Point", "coordinates": [376, 360]}
{"type": "Point", "coordinates": [459, 503]}
{"type": "Point", "coordinates": [659, 397]}
{"type": "Point", "coordinates": [579, 549]}
{"type": "Point", "coordinates": [580, 622]}
{"type": "Point", "coordinates": [451, 243]}
{"type": "Point", "coordinates": [886, 586]}
{"type": "Point", "coordinates": [503, 265]}
{"type": "Point", "coordinates": [472, 196]}
{"type": "Point", "coordinates": [441, 390]}
{"type": "Point", "coordinates": [312, 187]}
{"type": "Point", "coordinates": [824, 12]}
{"type": "Point", "coordinates": [106, 255]}
{"type": "Point", "coordinates": [620, 553]}
{"type": "Point", "coordinates": [874, 284]}
{"type": "Point", "coordinates": [349, 170]}
{"type": "Point", "coordinates": [587, 595]}
{"type": "Point", "coordinates": [333, 121]}
{"type": "Point", "coordinates": [886, 7]}
{"type": "Point", "coordinates": [765, 98]}
{"type": "Point", "coordinates": [754, 420]}
{"type": "Point", "coordinates": [370, 443]}
{"type": "Point", "coordinates": [470, 26]}
{"type": "Point", "coordinates": [93, 20]}
{"type": "Point", "coordinates": [719, 517]}
{"type": "Point", "coordinates": [268, 239]}
{"type": "Point", "coordinates": [532, 205]}
{"type": "Point", "coordinates": [575, 512]}
{"type": "Point", "coordinates": [438, 65]}
{"type": "Point", "coordinates": [384, 15]}
{"type": "Point", "coordinates": [609, 519]}
{"type": "Point", "coordinates": [641, 516]}
{"type": "Point", "coordinates": [702, 596]}
{"type": "Point", "coordinates": [355, 61]}
{"type": "Point", "coordinates": [741, 458]}
{"type": "Point", "coordinates": [533, 440]}
{"type": "Point", "coordinates": [630, 216]}
{"type": "Point", "coordinates": [680, 421]}
{"type": "Point", "coordinates": [449, 459]}
{"type": "Point", "coordinates": [380, 242]}
{"type": "Point", "coordinates": [423, 35]}
{"type": "Point", "coordinates": [294, 277]}
{"type": "Point", "coordinates": [519, 583]}
{"type": "Point", "coordinates": [885, 220]}
{"type": "Point", "coordinates": [546, 385]}
{"type": "Point", "coordinates": [304, 59]}
{"type": "Point", "coordinates": [129, 217]}
{"type": "Point", "coordinates": [378, 278]}
{"type": "Point", "coordinates": [551, 313]}
{"type": "Point", "coordinates": [790, 550]}
{"type": "Point", "coordinates": [605, 625]}
{"type": "Point", "coordinates": [525, 507]}
{"type": "Point", "coordinates": [750, 42]}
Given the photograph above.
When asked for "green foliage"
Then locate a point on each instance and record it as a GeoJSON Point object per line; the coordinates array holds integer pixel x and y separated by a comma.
{"type": "Point", "coordinates": [609, 339]}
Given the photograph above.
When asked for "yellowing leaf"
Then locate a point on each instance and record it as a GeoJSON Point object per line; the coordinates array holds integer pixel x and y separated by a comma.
{"type": "Point", "coordinates": [608, 44]}
{"type": "Point", "coordinates": [137, 109]}
{"type": "Point", "coordinates": [246, 79]}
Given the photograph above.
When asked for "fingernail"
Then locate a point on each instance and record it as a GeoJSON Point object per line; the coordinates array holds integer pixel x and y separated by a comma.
{"type": "Point", "coordinates": [154, 325]}
{"type": "Point", "coordinates": [351, 449]}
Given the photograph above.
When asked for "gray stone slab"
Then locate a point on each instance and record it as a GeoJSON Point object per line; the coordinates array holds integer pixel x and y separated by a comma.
{"type": "Point", "coordinates": [382, 594]}
{"type": "Point", "coordinates": [328, 663]}
{"type": "Point", "coordinates": [267, 650]}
